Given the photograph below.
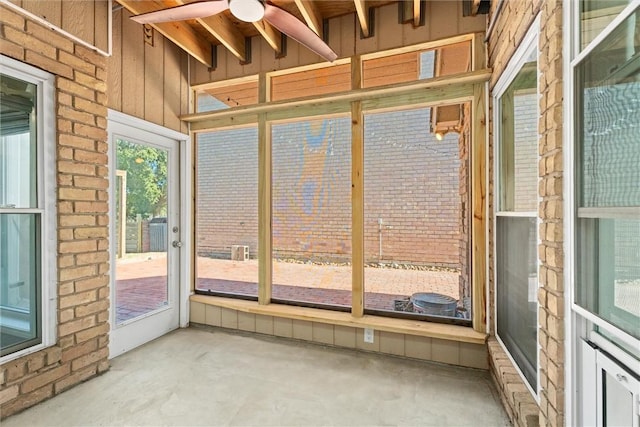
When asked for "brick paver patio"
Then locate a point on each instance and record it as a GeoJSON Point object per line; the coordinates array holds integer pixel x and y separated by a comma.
{"type": "Point", "coordinates": [141, 282]}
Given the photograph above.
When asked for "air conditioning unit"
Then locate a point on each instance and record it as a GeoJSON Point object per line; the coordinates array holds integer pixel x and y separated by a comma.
{"type": "Point", "coordinates": [239, 253]}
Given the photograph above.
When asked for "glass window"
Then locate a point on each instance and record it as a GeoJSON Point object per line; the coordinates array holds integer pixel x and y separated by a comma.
{"type": "Point", "coordinates": [227, 211]}
{"type": "Point", "coordinates": [516, 217]}
{"type": "Point", "coordinates": [20, 217]}
{"type": "Point", "coordinates": [595, 15]}
{"type": "Point", "coordinates": [608, 182]}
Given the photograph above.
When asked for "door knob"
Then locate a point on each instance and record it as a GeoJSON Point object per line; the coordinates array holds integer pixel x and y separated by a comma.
{"type": "Point", "coordinates": [176, 244]}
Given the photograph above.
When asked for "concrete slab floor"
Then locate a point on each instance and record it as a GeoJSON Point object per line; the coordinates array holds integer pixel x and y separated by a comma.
{"type": "Point", "coordinates": [211, 376]}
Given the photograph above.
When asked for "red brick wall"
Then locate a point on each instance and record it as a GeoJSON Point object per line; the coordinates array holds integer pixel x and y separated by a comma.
{"type": "Point", "coordinates": [81, 349]}
{"type": "Point", "coordinates": [412, 182]}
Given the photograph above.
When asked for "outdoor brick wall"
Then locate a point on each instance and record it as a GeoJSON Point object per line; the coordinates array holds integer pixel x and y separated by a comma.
{"type": "Point", "coordinates": [227, 191]}
{"type": "Point", "coordinates": [411, 184]}
{"type": "Point", "coordinates": [465, 200]}
{"type": "Point", "coordinates": [551, 293]}
{"type": "Point", "coordinates": [81, 349]}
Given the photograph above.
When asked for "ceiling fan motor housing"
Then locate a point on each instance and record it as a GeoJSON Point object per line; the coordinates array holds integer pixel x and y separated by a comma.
{"type": "Point", "coordinates": [247, 10]}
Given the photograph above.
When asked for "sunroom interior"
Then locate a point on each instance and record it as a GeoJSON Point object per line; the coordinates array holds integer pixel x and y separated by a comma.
{"type": "Point", "coordinates": [255, 187]}
{"type": "Point", "coordinates": [296, 220]}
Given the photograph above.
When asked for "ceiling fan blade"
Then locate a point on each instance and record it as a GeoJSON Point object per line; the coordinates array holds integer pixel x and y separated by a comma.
{"type": "Point", "coordinates": [297, 30]}
{"type": "Point", "coordinates": [194, 10]}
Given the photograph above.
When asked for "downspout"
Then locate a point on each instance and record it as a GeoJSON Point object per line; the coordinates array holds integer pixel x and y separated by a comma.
{"type": "Point", "coordinates": [494, 18]}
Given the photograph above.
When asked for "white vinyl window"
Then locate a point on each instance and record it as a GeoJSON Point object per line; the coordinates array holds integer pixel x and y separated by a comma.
{"type": "Point", "coordinates": [607, 186]}
{"type": "Point", "coordinates": [27, 209]}
{"type": "Point", "coordinates": [516, 99]}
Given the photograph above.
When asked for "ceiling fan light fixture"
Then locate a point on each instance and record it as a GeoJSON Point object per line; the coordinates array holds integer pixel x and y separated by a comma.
{"type": "Point", "coordinates": [247, 10]}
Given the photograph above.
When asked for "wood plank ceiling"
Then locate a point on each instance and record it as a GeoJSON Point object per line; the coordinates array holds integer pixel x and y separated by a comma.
{"type": "Point", "coordinates": [198, 36]}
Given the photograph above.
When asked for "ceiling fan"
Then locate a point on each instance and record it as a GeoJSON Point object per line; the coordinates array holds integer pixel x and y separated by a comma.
{"type": "Point", "coordinates": [247, 11]}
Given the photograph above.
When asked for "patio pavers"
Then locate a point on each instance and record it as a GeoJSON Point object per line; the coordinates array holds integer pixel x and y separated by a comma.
{"type": "Point", "coordinates": [141, 283]}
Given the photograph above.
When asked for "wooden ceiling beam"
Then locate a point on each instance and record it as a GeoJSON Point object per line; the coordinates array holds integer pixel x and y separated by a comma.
{"type": "Point", "coordinates": [311, 15]}
{"type": "Point", "coordinates": [475, 5]}
{"type": "Point", "coordinates": [180, 33]}
{"type": "Point", "coordinates": [363, 16]}
{"type": "Point", "coordinates": [225, 32]}
{"type": "Point", "coordinates": [270, 34]}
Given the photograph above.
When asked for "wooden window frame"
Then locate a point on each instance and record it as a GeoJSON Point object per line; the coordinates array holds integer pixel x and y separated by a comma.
{"type": "Point", "coordinates": [471, 87]}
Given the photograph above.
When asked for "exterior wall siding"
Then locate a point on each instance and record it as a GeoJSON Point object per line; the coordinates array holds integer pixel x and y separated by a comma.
{"type": "Point", "coordinates": [81, 349]}
{"type": "Point", "coordinates": [403, 345]}
{"type": "Point", "coordinates": [147, 76]}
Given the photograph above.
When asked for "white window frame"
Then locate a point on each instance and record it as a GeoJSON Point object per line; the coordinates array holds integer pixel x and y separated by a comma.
{"type": "Point", "coordinates": [46, 196]}
{"type": "Point", "coordinates": [579, 322]}
{"type": "Point", "coordinates": [529, 42]}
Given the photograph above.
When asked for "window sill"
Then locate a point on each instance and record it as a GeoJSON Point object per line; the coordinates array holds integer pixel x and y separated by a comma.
{"type": "Point", "coordinates": [402, 326]}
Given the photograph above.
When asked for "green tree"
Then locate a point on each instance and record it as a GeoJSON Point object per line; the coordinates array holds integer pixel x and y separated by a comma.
{"type": "Point", "coordinates": [146, 169]}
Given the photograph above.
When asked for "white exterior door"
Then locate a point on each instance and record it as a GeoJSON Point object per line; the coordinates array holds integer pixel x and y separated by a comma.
{"type": "Point", "coordinates": [146, 232]}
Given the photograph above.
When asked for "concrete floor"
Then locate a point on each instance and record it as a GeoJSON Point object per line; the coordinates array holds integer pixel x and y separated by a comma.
{"type": "Point", "coordinates": [213, 377]}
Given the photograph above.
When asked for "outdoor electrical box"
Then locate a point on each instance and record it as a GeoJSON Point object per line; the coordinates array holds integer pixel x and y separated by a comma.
{"type": "Point", "coordinates": [239, 253]}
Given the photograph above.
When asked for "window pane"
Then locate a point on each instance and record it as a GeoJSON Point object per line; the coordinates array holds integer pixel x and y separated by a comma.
{"type": "Point", "coordinates": [414, 238]}
{"type": "Point", "coordinates": [608, 193]}
{"type": "Point", "coordinates": [517, 291]}
{"type": "Point", "coordinates": [609, 271]}
{"type": "Point", "coordinates": [609, 103]}
{"type": "Point", "coordinates": [142, 267]}
{"type": "Point", "coordinates": [518, 169]}
{"type": "Point", "coordinates": [18, 144]}
{"type": "Point", "coordinates": [227, 211]}
{"type": "Point", "coordinates": [312, 211]}
{"type": "Point", "coordinates": [595, 15]}
{"type": "Point", "coordinates": [19, 281]}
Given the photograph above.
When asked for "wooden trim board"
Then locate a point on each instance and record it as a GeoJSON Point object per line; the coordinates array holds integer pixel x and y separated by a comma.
{"type": "Point", "coordinates": [400, 326]}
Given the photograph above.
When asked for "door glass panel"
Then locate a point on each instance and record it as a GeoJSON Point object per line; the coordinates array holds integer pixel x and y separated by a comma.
{"type": "Point", "coordinates": [141, 264]}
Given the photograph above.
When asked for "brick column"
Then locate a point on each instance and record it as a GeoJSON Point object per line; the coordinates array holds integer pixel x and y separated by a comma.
{"type": "Point", "coordinates": [81, 350]}
{"type": "Point", "coordinates": [551, 292]}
